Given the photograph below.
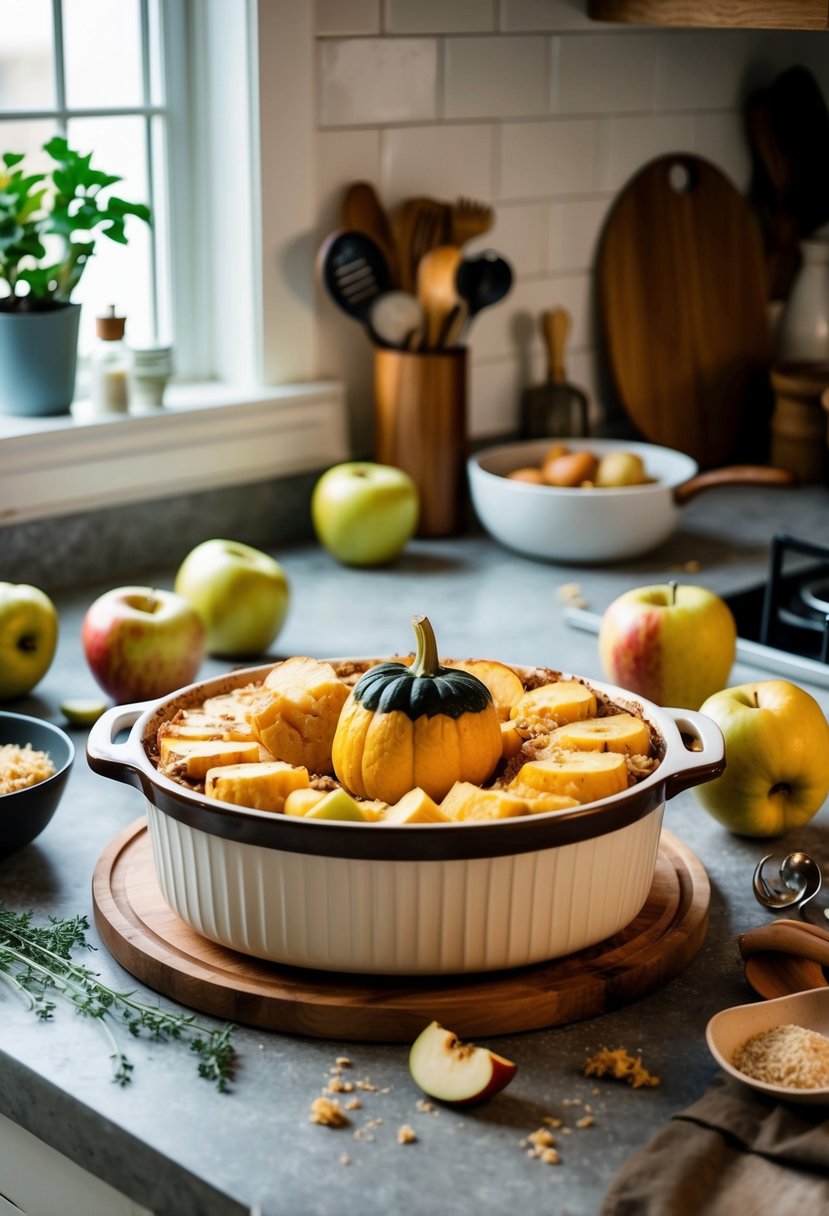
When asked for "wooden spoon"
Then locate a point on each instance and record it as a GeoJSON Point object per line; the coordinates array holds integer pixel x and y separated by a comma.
{"type": "Point", "coordinates": [785, 956]}
{"type": "Point", "coordinates": [436, 289]}
{"type": "Point", "coordinates": [362, 211]}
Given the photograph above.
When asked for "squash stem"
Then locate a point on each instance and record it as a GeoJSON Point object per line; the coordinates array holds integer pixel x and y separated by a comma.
{"type": "Point", "coordinates": [426, 661]}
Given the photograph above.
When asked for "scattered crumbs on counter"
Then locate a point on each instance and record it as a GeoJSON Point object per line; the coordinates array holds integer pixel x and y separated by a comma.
{"type": "Point", "coordinates": [567, 1131]}
{"type": "Point", "coordinates": [425, 1107]}
{"type": "Point", "coordinates": [690, 567]}
{"type": "Point", "coordinates": [552, 1121]}
{"type": "Point", "coordinates": [328, 1113]}
{"type": "Point", "coordinates": [618, 1063]}
{"type": "Point", "coordinates": [366, 1085]}
{"type": "Point", "coordinates": [353, 1104]}
{"type": "Point", "coordinates": [337, 1086]}
{"type": "Point", "coordinates": [570, 593]}
{"type": "Point", "coordinates": [342, 1062]}
{"type": "Point", "coordinates": [406, 1134]}
{"type": "Point", "coordinates": [585, 1121]}
{"type": "Point", "coordinates": [345, 1159]}
{"type": "Point", "coordinates": [571, 1102]}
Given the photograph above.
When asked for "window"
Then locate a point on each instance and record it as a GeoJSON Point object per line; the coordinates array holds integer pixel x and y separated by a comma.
{"type": "Point", "coordinates": [209, 105]}
{"type": "Point", "coordinates": [92, 70]}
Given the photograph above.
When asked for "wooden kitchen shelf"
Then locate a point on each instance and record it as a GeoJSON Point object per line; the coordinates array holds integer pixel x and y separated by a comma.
{"type": "Point", "coordinates": [735, 14]}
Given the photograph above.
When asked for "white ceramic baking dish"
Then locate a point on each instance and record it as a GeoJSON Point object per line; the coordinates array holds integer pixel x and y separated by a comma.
{"type": "Point", "coordinates": [410, 900]}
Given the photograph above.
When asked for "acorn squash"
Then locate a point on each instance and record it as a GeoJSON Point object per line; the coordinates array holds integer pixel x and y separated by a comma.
{"type": "Point", "coordinates": [421, 725]}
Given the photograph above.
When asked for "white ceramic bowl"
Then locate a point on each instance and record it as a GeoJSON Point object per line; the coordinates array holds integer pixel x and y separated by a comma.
{"type": "Point", "coordinates": [728, 1031]}
{"type": "Point", "coordinates": [415, 899]}
{"type": "Point", "coordinates": [576, 525]}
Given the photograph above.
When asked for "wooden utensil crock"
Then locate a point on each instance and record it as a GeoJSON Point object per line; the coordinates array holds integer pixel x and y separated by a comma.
{"type": "Point", "coordinates": [420, 427]}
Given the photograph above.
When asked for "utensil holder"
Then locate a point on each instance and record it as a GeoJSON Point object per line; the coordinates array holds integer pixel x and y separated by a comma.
{"type": "Point", "coordinates": [420, 427]}
{"type": "Point", "coordinates": [798, 424]}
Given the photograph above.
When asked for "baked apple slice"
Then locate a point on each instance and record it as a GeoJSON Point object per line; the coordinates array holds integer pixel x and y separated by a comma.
{"type": "Point", "coordinates": [456, 1072]}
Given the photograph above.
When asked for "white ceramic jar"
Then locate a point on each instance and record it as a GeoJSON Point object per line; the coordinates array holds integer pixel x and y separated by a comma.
{"type": "Point", "coordinates": [803, 330]}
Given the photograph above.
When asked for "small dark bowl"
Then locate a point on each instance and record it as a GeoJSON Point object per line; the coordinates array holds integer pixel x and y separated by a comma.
{"type": "Point", "coordinates": [24, 814]}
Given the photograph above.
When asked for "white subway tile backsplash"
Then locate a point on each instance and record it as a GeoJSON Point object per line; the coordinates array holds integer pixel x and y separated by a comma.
{"type": "Point", "coordinates": [605, 73]}
{"type": "Point", "coordinates": [343, 157]}
{"type": "Point", "coordinates": [722, 139]}
{"type": "Point", "coordinates": [529, 105]}
{"type": "Point", "coordinates": [628, 143]}
{"type": "Point", "coordinates": [439, 16]}
{"type": "Point", "coordinates": [497, 332]}
{"type": "Point", "coordinates": [575, 228]}
{"type": "Point", "coordinates": [372, 81]}
{"type": "Point", "coordinates": [540, 159]}
{"type": "Point", "coordinates": [520, 234]}
{"type": "Point", "coordinates": [495, 77]}
{"type": "Point", "coordinates": [545, 15]}
{"type": "Point", "coordinates": [444, 161]}
{"type": "Point", "coordinates": [706, 69]}
{"type": "Point", "coordinates": [347, 17]}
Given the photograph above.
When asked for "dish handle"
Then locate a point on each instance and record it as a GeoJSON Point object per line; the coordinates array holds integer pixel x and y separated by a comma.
{"type": "Point", "coordinates": [701, 739]}
{"type": "Point", "coordinates": [108, 757]}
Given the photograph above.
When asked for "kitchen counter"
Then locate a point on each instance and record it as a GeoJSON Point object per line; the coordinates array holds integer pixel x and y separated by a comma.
{"type": "Point", "coordinates": [174, 1145]}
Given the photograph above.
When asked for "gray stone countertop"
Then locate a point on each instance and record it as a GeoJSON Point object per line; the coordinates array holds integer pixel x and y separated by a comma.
{"type": "Point", "coordinates": [178, 1147]}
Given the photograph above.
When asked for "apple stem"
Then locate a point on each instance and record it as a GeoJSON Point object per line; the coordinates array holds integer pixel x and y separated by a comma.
{"type": "Point", "coordinates": [673, 586]}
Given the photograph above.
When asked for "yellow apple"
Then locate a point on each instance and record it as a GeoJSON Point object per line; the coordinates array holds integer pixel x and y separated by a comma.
{"type": "Point", "coordinates": [672, 643]}
{"type": "Point", "coordinates": [777, 758]}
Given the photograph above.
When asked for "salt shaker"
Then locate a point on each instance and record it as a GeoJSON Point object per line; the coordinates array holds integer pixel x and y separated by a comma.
{"type": "Point", "coordinates": [109, 365]}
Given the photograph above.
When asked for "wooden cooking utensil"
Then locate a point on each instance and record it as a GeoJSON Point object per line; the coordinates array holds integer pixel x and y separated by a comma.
{"type": "Point", "coordinates": [436, 290]}
{"type": "Point", "coordinates": [362, 211]}
{"type": "Point", "coordinates": [682, 297]}
{"type": "Point", "coordinates": [554, 408]}
{"type": "Point", "coordinates": [421, 224]}
{"type": "Point", "coordinates": [469, 219]}
{"type": "Point", "coordinates": [785, 956]}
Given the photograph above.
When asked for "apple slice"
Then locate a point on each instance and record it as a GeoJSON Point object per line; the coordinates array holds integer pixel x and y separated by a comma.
{"type": "Point", "coordinates": [456, 1072]}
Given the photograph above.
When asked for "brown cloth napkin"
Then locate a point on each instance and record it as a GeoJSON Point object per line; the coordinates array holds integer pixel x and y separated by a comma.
{"type": "Point", "coordinates": [734, 1151]}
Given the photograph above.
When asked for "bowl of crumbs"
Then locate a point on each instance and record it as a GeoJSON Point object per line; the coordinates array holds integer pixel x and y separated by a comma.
{"type": "Point", "coordinates": [778, 1047]}
{"type": "Point", "coordinates": [35, 759]}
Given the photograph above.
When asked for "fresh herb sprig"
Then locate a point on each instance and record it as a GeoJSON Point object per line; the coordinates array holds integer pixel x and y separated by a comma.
{"type": "Point", "coordinates": [36, 961]}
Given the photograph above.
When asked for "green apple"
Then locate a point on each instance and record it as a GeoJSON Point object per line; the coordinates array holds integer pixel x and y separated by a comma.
{"type": "Point", "coordinates": [777, 758]}
{"type": "Point", "coordinates": [671, 643]}
{"type": "Point", "coordinates": [240, 593]}
{"type": "Point", "coordinates": [364, 513]}
{"type": "Point", "coordinates": [28, 638]}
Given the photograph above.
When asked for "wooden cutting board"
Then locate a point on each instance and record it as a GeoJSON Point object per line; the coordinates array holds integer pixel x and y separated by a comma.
{"type": "Point", "coordinates": [682, 297]}
{"type": "Point", "coordinates": [159, 949]}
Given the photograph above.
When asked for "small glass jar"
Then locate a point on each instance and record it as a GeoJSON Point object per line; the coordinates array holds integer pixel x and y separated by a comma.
{"type": "Point", "coordinates": [109, 366]}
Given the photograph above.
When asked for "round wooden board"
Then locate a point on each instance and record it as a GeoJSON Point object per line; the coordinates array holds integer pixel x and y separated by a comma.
{"type": "Point", "coordinates": [155, 946]}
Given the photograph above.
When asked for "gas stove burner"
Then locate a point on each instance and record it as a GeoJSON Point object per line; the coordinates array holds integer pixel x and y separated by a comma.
{"type": "Point", "coordinates": [815, 598]}
{"type": "Point", "coordinates": [795, 616]}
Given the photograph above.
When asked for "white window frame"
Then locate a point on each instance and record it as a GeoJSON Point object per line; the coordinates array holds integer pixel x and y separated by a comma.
{"type": "Point", "coordinates": [251, 122]}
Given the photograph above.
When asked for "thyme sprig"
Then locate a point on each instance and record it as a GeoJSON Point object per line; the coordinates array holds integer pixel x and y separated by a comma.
{"type": "Point", "coordinates": [36, 962]}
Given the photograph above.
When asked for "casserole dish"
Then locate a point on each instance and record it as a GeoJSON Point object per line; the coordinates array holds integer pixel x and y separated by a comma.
{"type": "Point", "coordinates": [422, 899]}
{"type": "Point", "coordinates": [564, 524]}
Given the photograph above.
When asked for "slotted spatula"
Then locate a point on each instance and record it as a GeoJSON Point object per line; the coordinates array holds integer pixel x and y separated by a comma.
{"type": "Point", "coordinates": [354, 272]}
{"type": "Point", "coordinates": [557, 407]}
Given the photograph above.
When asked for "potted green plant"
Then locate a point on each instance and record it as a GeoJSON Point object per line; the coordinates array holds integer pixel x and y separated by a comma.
{"type": "Point", "coordinates": [48, 226]}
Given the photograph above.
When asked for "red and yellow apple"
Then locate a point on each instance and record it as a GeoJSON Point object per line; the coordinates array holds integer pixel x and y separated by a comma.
{"type": "Point", "coordinates": [28, 638]}
{"type": "Point", "coordinates": [671, 643]}
{"type": "Point", "coordinates": [456, 1072]}
{"type": "Point", "coordinates": [240, 593]}
{"type": "Point", "coordinates": [142, 643]}
{"type": "Point", "coordinates": [777, 758]}
{"type": "Point", "coordinates": [364, 513]}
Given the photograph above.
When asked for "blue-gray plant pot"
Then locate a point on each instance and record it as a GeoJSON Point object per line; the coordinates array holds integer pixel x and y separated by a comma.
{"type": "Point", "coordinates": [38, 356]}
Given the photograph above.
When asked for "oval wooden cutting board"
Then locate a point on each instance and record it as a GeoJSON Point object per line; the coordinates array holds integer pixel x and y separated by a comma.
{"type": "Point", "coordinates": [682, 297]}
{"type": "Point", "coordinates": [162, 951]}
